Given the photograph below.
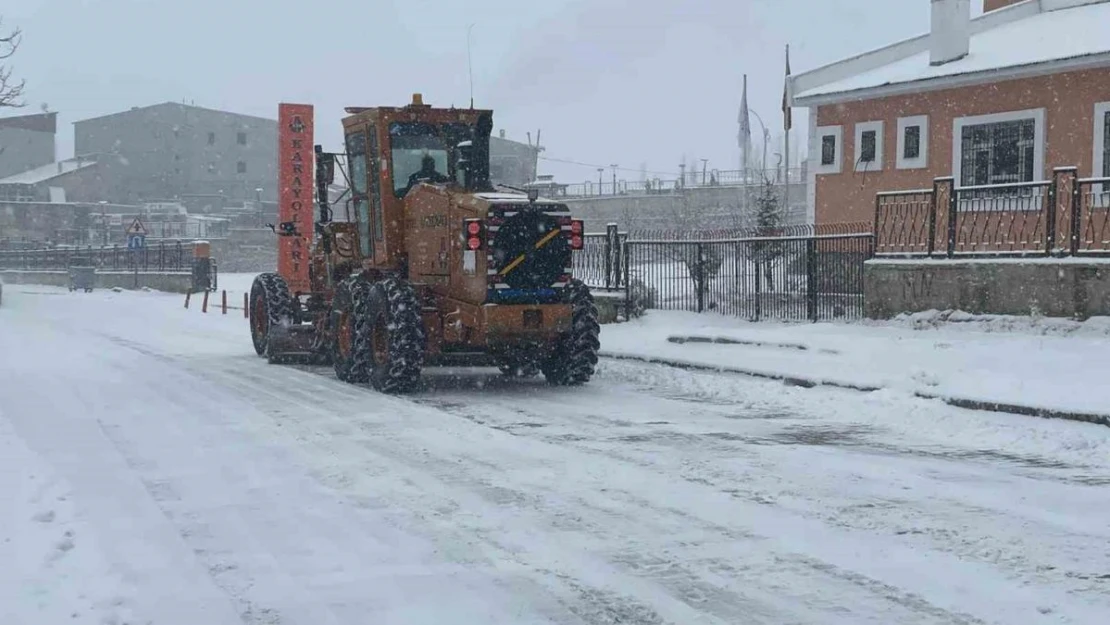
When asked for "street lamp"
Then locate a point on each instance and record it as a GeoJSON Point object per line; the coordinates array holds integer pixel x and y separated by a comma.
{"type": "Point", "coordinates": [104, 221]}
{"type": "Point", "coordinates": [258, 199]}
{"type": "Point", "coordinates": [766, 140]}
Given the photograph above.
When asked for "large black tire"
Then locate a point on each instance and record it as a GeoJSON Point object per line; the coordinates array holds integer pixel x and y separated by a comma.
{"type": "Point", "coordinates": [574, 356]}
{"type": "Point", "coordinates": [271, 305]}
{"type": "Point", "coordinates": [389, 339]}
{"type": "Point", "coordinates": [342, 348]}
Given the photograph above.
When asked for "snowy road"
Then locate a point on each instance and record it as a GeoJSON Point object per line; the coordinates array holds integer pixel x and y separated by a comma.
{"type": "Point", "coordinates": [159, 472]}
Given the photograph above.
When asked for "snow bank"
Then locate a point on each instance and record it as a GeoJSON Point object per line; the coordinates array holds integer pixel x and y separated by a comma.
{"type": "Point", "coordinates": [1051, 364]}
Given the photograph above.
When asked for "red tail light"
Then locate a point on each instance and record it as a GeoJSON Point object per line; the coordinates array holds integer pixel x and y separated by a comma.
{"type": "Point", "coordinates": [577, 232]}
{"type": "Point", "coordinates": [475, 234]}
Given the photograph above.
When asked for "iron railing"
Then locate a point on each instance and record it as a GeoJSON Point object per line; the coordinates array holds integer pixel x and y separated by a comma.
{"type": "Point", "coordinates": [691, 179]}
{"type": "Point", "coordinates": [1063, 216]}
{"type": "Point", "coordinates": [163, 256]}
{"type": "Point", "coordinates": [599, 263]}
{"type": "Point", "coordinates": [777, 277]}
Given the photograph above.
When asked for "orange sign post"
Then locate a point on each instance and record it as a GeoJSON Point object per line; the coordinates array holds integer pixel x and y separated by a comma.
{"type": "Point", "coordinates": [295, 184]}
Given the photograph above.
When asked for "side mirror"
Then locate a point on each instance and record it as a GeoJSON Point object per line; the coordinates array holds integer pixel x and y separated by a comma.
{"type": "Point", "coordinates": [465, 151]}
{"type": "Point", "coordinates": [325, 166]}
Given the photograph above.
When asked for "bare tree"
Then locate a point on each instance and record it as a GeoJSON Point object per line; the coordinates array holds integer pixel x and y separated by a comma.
{"type": "Point", "coordinates": [11, 92]}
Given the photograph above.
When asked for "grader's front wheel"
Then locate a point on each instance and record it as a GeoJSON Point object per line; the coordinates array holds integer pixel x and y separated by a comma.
{"type": "Point", "coordinates": [271, 305]}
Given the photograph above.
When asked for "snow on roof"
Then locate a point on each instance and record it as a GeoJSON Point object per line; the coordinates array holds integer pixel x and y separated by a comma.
{"type": "Point", "coordinates": [1064, 34]}
{"type": "Point", "coordinates": [508, 197]}
{"type": "Point", "coordinates": [46, 172]}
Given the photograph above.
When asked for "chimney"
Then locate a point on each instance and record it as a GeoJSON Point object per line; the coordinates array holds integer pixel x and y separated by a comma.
{"type": "Point", "coordinates": [950, 38]}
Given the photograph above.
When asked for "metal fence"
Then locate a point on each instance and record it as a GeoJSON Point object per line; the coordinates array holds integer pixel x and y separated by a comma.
{"type": "Point", "coordinates": [690, 179]}
{"type": "Point", "coordinates": [787, 278]}
{"type": "Point", "coordinates": [1063, 216]}
{"type": "Point", "coordinates": [600, 262]}
{"type": "Point", "coordinates": [164, 256]}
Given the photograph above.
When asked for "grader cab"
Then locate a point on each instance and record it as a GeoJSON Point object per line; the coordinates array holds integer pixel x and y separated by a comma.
{"type": "Point", "coordinates": [425, 263]}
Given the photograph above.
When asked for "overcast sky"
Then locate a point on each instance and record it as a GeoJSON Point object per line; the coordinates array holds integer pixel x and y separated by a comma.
{"type": "Point", "coordinates": [630, 82]}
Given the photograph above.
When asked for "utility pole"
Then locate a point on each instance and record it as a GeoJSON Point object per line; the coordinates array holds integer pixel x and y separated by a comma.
{"type": "Point", "coordinates": [682, 175]}
{"type": "Point", "coordinates": [614, 166]}
{"type": "Point", "coordinates": [704, 166]}
{"type": "Point", "coordinates": [600, 181]}
{"type": "Point", "coordinates": [470, 67]}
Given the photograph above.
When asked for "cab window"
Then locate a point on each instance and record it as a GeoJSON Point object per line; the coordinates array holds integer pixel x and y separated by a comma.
{"type": "Point", "coordinates": [356, 156]}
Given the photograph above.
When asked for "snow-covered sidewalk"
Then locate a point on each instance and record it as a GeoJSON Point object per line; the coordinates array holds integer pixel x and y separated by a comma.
{"type": "Point", "coordinates": [1055, 365]}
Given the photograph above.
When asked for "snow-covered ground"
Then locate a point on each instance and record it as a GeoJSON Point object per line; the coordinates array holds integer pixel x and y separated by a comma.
{"type": "Point", "coordinates": [1042, 363]}
{"type": "Point", "coordinates": [158, 471]}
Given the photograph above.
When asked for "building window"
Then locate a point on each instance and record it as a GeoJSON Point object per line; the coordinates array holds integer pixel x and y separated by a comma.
{"type": "Point", "coordinates": [211, 138]}
{"type": "Point", "coordinates": [242, 138]}
{"type": "Point", "coordinates": [828, 150]}
{"type": "Point", "coordinates": [869, 146]}
{"type": "Point", "coordinates": [913, 142]}
{"type": "Point", "coordinates": [1102, 150]}
{"type": "Point", "coordinates": [1001, 149]}
{"type": "Point", "coordinates": [912, 147]}
{"type": "Point", "coordinates": [997, 153]}
{"type": "Point", "coordinates": [828, 141]}
{"type": "Point", "coordinates": [241, 167]}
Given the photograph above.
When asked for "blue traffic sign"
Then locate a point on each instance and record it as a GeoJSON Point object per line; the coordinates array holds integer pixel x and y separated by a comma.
{"type": "Point", "coordinates": [136, 241]}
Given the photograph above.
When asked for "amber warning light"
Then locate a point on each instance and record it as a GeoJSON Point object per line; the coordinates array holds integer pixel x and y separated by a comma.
{"type": "Point", "coordinates": [473, 229]}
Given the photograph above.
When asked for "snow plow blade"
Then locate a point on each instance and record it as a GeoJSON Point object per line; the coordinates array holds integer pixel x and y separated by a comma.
{"type": "Point", "coordinates": [292, 344]}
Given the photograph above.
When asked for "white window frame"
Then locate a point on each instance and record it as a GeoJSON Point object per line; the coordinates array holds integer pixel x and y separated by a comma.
{"type": "Point", "coordinates": [922, 160]}
{"type": "Point", "coordinates": [838, 157]}
{"type": "Point", "coordinates": [1102, 194]}
{"type": "Point", "coordinates": [877, 164]}
{"type": "Point", "coordinates": [1032, 203]}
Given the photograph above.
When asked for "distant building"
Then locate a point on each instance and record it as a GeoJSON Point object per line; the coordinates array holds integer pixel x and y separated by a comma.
{"type": "Point", "coordinates": [177, 151]}
{"type": "Point", "coordinates": [26, 142]}
{"type": "Point", "coordinates": [511, 162]}
{"type": "Point", "coordinates": [73, 180]}
{"type": "Point", "coordinates": [1002, 98]}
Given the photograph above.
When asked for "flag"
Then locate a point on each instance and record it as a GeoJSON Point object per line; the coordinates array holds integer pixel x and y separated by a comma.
{"type": "Point", "coordinates": [744, 137]}
{"type": "Point", "coordinates": [787, 120]}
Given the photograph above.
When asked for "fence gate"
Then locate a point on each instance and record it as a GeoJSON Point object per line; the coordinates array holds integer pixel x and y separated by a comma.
{"type": "Point", "coordinates": [787, 278]}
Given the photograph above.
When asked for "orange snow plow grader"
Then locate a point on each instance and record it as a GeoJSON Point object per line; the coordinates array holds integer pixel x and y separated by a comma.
{"type": "Point", "coordinates": [426, 264]}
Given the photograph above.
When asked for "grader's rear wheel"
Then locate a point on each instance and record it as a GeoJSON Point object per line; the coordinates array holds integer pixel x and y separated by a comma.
{"type": "Point", "coordinates": [389, 338]}
{"type": "Point", "coordinates": [574, 358]}
{"type": "Point", "coordinates": [347, 367]}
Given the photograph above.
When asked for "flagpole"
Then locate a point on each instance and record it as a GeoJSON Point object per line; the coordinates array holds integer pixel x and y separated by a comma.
{"type": "Point", "coordinates": [786, 123]}
{"type": "Point", "coordinates": [745, 165]}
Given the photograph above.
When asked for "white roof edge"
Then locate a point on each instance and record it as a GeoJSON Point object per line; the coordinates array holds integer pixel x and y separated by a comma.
{"type": "Point", "coordinates": [1033, 70]}
{"type": "Point", "coordinates": [885, 55]}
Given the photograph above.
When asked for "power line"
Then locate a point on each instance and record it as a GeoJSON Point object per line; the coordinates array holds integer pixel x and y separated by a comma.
{"type": "Point", "coordinates": [606, 167]}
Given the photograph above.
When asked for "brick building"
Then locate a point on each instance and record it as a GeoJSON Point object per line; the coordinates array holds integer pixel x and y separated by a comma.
{"type": "Point", "coordinates": [26, 142]}
{"type": "Point", "coordinates": [1002, 98]}
{"type": "Point", "coordinates": [174, 150]}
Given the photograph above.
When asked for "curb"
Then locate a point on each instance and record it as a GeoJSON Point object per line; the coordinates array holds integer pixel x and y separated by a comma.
{"type": "Point", "coordinates": [958, 402]}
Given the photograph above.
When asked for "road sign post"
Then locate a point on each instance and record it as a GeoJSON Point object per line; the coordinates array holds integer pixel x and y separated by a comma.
{"type": "Point", "coordinates": [136, 242]}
